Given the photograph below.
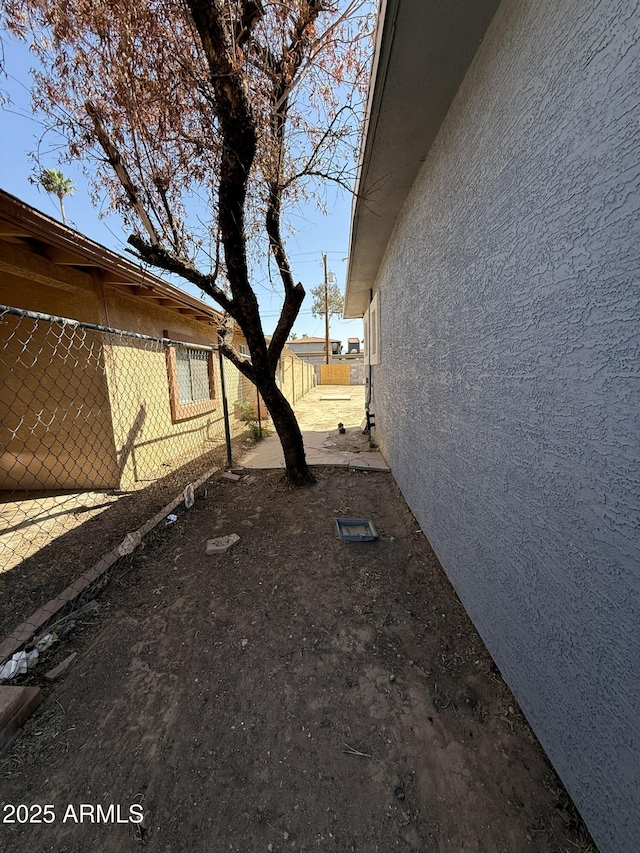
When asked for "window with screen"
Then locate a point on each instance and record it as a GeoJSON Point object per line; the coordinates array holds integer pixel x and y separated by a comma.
{"type": "Point", "coordinates": [191, 381]}
{"type": "Point", "coordinates": [192, 368]}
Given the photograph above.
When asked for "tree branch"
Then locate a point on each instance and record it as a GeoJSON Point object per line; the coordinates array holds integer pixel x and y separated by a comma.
{"type": "Point", "coordinates": [245, 367]}
{"type": "Point", "coordinates": [115, 161]}
{"type": "Point", "coordinates": [292, 302]}
{"type": "Point", "coordinates": [160, 257]}
{"type": "Point", "coordinates": [238, 129]}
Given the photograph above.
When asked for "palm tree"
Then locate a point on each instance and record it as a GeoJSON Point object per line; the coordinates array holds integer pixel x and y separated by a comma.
{"type": "Point", "coordinates": [54, 182]}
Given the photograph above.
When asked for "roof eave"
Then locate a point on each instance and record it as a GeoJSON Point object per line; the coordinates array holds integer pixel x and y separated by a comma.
{"type": "Point", "coordinates": [67, 247]}
{"type": "Point", "coordinates": [422, 52]}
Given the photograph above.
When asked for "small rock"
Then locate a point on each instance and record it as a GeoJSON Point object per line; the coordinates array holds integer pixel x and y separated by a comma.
{"type": "Point", "coordinates": [392, 678]}
{"type": "Point", "coordinates": [222, 544]}
{"type": "Point", "coordinates": [270, 847]}
{"type": "Point", "coordinates": [244, 643]}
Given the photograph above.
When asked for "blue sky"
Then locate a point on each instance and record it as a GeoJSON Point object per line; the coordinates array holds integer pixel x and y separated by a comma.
{"type": "Point", "coordinates": [315, 233]}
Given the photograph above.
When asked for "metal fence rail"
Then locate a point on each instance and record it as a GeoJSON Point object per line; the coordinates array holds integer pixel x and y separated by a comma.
{"type": "Point", "coordinates": [99, 429]}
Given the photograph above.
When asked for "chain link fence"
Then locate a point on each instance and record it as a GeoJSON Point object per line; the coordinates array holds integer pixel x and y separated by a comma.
{"type": "Point", "coordinates": [100, 430]}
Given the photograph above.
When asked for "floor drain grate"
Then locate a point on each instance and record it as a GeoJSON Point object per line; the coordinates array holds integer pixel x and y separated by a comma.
{"type": "Point", "coordinates": [356, 529]}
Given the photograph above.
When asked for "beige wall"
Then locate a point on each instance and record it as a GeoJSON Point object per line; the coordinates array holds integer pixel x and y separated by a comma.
{"type": "Point", "coordinates": [294, 375]}
{"type": "Point", "coordinates": [297, 376]}
{"type": "Point", "coordinates": [82, 409]}
{"type": "Point", "coordinates": [148, 443]}
{"type": "Point", "coordinates": [55, 430]}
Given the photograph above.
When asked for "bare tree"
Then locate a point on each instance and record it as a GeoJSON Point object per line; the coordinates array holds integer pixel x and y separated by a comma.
{"type": "Point", "coordinates": [206, 117]}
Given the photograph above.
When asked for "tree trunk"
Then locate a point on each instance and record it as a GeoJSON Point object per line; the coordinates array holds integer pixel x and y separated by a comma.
{"type": "Point", "coordinates": [286, 425]}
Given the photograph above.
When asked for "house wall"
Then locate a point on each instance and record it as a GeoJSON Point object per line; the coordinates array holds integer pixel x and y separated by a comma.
{"type": "Point", "coordinates": [55, 424]}
{"type": "Point", "coordinates": [506, 400]}
{"type": "Point", "coordinates": [148, 443]}
{"type": "Point", "coordinates": [95, 412]}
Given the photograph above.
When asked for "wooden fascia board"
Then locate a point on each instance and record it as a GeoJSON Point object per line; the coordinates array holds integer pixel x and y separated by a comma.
{"type": "Point", "coordinates": [60, 244]}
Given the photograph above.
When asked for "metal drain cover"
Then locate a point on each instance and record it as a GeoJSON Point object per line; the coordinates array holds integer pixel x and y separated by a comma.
{"type": "Point", "coordinates": [356, 529]}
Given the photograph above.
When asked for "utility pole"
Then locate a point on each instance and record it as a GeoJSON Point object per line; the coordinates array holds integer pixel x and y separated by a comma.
{"type": "Point", "coordinates": [326, 308]}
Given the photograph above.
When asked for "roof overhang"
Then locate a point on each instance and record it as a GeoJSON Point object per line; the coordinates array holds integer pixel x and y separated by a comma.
{"type": "Point", "coordinates": [25, 226]}
{"type": "Point", "coordinates": [422, 52]}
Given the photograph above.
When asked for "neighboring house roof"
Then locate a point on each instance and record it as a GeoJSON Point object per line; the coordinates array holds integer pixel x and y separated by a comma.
{"type": "Point", "coordinates": [312, 341]}
{"type": "Point", "coordinates": [25, 226]}
{"type": "Point", "coordinates": [423, 49]}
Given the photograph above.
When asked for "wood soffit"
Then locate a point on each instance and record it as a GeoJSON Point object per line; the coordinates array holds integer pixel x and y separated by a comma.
{"type": "Point", "coordinates": [28, 228]}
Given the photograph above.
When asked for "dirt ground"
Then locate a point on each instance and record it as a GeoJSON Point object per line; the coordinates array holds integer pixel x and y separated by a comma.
{"type": "Point", "coordinates": [296, 693]}
{"type": "Point", "coordinates": [47, 541]}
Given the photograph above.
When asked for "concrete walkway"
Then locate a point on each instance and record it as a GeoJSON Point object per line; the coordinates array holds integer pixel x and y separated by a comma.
{"type": "Point", "coordinates": [319, 412]}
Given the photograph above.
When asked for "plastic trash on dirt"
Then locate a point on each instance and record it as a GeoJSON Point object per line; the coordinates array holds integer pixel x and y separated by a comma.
{"type": "Point", "coordinates": [43, 643]}
{"type": "Point", "coordinates": [189, 496]}
{"type": "Point", "coordinates": [170, 519]}
{"type": "Point", "coordinates": [18, 664]}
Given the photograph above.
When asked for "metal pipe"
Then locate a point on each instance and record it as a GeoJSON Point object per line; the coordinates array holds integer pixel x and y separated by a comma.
{"type": "Point", "coordinates": [225, 410]}
{"type": "Point", "coordinates": [326, 308]}
{"type": "Point", "coordinates": [259, 413]}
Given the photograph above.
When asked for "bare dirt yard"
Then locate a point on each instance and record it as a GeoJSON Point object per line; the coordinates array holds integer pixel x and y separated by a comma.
{"type": "Point", "coordinates": [296, 693]}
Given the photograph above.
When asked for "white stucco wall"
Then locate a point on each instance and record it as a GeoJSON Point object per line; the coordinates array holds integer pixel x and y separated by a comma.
{"type": "Point", "coordinates": [507, 399]}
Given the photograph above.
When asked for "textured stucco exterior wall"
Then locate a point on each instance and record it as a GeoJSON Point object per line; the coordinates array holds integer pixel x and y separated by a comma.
{"type": "Point", "coordinates": [507, 397]}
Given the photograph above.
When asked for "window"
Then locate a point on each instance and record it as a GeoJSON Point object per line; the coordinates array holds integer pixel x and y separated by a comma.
{"type": "Point", "coordinates": [372, 332]}
{"type": "Point", "coordinates": [191, 382]}
{"type": "Point", "coordinates": [192, 370]}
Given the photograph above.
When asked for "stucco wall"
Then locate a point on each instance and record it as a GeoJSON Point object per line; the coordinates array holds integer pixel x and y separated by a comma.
{"type": "Point", "coordinates": [55, 422]}
{"type": "Point", "coordinates": [507, 397]}
{"type": "Point", "coordinates": [85, 410]}
{"type": "Point", "coordinates": [147, 439]}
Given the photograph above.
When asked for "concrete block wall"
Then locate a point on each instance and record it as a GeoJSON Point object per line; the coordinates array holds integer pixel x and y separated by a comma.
{"type": "Point", "coordinates": [297, 376]}
{"type": "Point", "coordinates": [510, 414]}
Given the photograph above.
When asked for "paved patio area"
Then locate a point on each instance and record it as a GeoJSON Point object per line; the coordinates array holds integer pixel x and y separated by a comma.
{"type": "Point", "coordinates": [319, 412]}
